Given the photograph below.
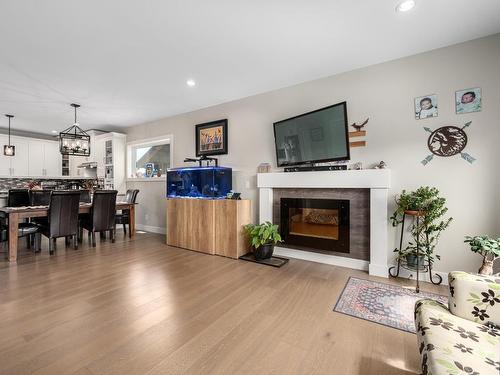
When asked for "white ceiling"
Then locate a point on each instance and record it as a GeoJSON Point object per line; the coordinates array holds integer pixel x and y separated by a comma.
{"type": "Point", "coordinates": [127, 61]}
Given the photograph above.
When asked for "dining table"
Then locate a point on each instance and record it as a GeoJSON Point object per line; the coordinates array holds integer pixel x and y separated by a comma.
{"type": "Point", "coordinates": [15, 214]}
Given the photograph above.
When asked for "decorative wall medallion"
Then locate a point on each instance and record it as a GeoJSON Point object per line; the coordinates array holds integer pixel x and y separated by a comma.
{"type": "Point", "coordinates": [448, 141]}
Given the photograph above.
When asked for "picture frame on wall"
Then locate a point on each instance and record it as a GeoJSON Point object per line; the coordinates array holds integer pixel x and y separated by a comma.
{"type": "Point", "coordinates": [211, 138]}
{"type": "Point", "coordinates": [468, 100]}
{"type": "Point", "coordinates": [426, 107]}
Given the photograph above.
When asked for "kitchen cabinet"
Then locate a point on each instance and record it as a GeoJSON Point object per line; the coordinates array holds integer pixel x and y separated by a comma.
{"type": "Point", "coordinates": [33, 158]}
{"type": "Point", "coordinates": [44, 158]}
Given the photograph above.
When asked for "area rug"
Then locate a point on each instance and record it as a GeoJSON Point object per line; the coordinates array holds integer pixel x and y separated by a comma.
{"type": "Point", "coordinates": [386, 304]}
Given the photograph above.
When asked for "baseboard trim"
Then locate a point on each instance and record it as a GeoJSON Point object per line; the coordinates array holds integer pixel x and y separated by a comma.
{"type": "Point", "coordinates": [334, 260]}
{"type": "Point", "coordinates": [150, 229]}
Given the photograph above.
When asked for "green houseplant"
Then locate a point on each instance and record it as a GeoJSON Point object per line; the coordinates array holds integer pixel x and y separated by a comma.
{"type": "Point", "coordinates": [488, 247]}
{"type": "Point", "coordinates": [428, 209]}
{"type": "Point", "coordinates": [263, 237]}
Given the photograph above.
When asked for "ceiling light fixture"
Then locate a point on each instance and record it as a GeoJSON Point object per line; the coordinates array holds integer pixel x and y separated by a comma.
{"type": "Point", "coordinates": [73, 140]}
{"type": "Point", "coordinates": [405, 6]}
{"type": "Point", "coordinates": [54, 132]}
{"type": "Point", "coordinates": [9, 150]}
{"type": "Point", "coordinates": [191, 82]}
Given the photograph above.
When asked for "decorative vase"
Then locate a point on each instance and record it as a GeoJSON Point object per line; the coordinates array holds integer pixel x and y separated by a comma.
{"type": "Point", "coordinates": [487, 268]}
{"type": "Point", "coordinates": [411, 260]}
{"type": "Point", "coordinates": [264, 252]}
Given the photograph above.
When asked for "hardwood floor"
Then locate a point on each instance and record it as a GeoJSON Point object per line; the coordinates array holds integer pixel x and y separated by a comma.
{"type": "Point", "coordinates": [141, 307]}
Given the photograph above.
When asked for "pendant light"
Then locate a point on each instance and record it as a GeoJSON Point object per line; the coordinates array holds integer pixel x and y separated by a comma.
{"type": "Point", "coordinates": [73, 140]}
{"type": "Point", "coordinates": [9, 150]}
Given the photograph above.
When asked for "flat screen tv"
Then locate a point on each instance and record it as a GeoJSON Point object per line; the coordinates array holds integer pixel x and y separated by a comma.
{"type": "Point", "coordinates": [314, 137]}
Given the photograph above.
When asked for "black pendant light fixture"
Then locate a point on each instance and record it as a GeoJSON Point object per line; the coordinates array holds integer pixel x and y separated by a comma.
{"type": "Point", "coordinates": [74, 141]}
{"type": "Point", "coordinates": [9, 150]}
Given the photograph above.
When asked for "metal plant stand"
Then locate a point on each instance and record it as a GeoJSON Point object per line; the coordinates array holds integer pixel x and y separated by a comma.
{"type": "Point", "coordinates": [420, 268]}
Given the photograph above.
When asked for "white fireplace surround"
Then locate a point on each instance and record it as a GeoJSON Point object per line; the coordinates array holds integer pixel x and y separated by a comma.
{"type": "Point", "coordinates": [377, 180]}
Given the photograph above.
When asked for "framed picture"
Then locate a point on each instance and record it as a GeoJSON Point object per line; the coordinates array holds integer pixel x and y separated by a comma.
{"type": "Point", "coordinates": [211, 138]}
{"type": "Point", "coordinates": [468, 100]}
{"type": "Point", "coordinates": [426, 106]}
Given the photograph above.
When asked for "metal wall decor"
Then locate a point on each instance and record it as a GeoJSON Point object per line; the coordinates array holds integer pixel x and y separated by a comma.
{"type": "Point", "coordinates": [73, 140]}
{"type": "Point", "coordinates": [448, 141]}
{"type": "Point", "coordinates": [9, 150]}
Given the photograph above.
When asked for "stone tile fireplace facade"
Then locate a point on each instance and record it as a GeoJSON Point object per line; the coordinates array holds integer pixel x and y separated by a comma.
{"type": "Point", "coordinates": [353, 229]}
{"type": "Point", "coordinates": [366, 191]}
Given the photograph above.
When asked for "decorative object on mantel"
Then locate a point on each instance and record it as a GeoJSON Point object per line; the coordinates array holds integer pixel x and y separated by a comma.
{"type": "Point", "coordinates": [359, 132]}
{"type": "Point", "coordinates": [9, 150]}
{"type": "Point", "coordinates": [488, 247]}
{"type": "Point", "coordinates": [448, 141]}
{"type": "Point", "coordinates": [263, 237]}
{"type": "Point", "coordinates": [426, 107]}
{"type": "Point", "coordinates": [211, 138]}
{"type": "Point", "coordinates": [427, 209]}
{"type": "Point", "coordinates": [468, 100]}
{"type": "Point", "coordinates": [356, 166]}
{"type": "Point", "coordinates": [381, 303]}
{"type": "Point", "coordinates": [73, 140]}
{"type": "Point", "coordinates": [264, 168]}
{"type": "Point", "coordinates": [381, 165]}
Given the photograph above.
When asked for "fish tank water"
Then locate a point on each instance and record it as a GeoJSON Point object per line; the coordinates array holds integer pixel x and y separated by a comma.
{"type": "Point", "coordinates": [199, 182]}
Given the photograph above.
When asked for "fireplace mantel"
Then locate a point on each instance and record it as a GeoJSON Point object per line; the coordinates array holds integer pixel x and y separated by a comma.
{"type": "Point", "coordinates": [377, 180]}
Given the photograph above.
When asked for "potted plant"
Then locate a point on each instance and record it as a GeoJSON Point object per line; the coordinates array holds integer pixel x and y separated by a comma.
{"type": "Point", "coordinates": [488, 247]}
{"type": "Point", "coordinates": [263, 237]}
{"type": "Point", "coordinates": [428, 210]}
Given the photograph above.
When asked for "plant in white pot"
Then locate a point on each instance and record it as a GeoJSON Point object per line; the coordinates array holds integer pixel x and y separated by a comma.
{"type": "Point", "coordinates": [488, 247]}
{"type": "Point", "coordinates": [263, 237]}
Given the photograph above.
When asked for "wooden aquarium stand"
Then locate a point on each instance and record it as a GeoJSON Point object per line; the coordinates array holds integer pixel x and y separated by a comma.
{"type": "Point", "coordinates": [211, 226]}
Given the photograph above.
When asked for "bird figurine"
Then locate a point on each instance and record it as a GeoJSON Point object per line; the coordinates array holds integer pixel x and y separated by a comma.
{"type": "Point", "coordinates": [360, 126]}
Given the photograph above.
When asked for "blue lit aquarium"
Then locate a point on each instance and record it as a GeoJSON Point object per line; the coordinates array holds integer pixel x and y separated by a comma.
{"type": "Point", "coordinates": [199, 182]}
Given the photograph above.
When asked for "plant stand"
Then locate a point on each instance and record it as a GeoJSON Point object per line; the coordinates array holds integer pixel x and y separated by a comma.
{"type": "Point", "coordinates": [420, 268]}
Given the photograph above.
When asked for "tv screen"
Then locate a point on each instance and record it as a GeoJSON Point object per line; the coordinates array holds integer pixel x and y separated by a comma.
{"type": "Point", "coordinates": [313, 137]}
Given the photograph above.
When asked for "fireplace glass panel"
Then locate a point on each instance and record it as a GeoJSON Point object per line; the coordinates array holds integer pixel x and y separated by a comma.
{"type": "Point", "coordinates": [315, 224]}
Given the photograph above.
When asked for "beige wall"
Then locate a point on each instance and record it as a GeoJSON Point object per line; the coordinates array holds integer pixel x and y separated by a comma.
{"type": "Point", "coordinates": [384, 93]}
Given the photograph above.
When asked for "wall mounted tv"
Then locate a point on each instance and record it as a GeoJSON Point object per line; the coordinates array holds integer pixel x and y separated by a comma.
{"type": "Point", "coordinates": [314, 137]}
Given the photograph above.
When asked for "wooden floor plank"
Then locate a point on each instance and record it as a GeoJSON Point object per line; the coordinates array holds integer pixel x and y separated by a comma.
{"type": "Point", "coordinates": [141, 307]}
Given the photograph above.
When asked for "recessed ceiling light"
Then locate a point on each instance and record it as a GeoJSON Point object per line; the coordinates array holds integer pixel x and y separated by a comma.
{"type": "Point", "coordinates": [191, 82]}
{"type": "Point", "coordinates": [54, 132]}
{"type": "Point", "coordinates": [405, 6]}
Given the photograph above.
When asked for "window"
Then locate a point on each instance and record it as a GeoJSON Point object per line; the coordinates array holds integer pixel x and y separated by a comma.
{"type": "Point", "coordinates": [149, 159]}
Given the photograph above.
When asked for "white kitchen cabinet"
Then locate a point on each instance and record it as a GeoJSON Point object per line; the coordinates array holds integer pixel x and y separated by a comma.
{"type": "Point", "coordinates": [110, 151]}
{"type": "Point", "coordinates": [52, 159]}
{"type": "Point", "coordinates": [36, 161]}
{"type": "Point", "coordinates": [44, 158]}
{"type": "Point", "coordinates": [4, 160]}
{"type": "Point", "coordinates": [19, 163]}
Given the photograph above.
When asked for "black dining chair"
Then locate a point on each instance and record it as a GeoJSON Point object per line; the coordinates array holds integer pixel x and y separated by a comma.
{"type": "Point", "coordinates": [102, 214]}
{"type": "Point", "coordinates": [85, 196]}
{"type": "Point", "coordinates": [39, 197]}
{"type": "Point", "coordinates": [21, 198]}
{"type": "Point", "coordinates": [124, 217]}
{"type": "Point", "coordinates": [62, 217]}
{"type": "Point", "coordinates": [18, 198]}
{"type": "Point", "coordinates": [25, 229]}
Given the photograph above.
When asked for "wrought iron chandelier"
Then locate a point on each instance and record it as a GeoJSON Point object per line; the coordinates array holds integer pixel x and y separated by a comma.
{"type": "Point", "coordinates": [9, 150]}
{"type": "Point", "coordinates": [73, 140]}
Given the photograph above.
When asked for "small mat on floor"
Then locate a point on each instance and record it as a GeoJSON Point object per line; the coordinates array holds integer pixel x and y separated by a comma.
{"type": "Point", "coordinates": [386, 304]}
{"type": "Point", "coordinates": [273, 261]}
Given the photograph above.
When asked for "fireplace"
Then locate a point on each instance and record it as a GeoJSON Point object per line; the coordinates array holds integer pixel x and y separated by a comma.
{"type": "Point", "coordinates": [320, 225]}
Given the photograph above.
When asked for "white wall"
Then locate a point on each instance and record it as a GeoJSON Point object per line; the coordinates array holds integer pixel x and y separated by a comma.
{"type": "Point", "coordinates": [385, 93]}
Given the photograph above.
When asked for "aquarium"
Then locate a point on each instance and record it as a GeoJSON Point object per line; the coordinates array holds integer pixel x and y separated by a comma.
{"type": "Point", "coordinates": [199, 182]}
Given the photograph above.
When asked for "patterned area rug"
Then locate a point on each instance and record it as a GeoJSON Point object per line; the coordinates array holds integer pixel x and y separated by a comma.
{"type": "Point", "coordinates": [381, 303]}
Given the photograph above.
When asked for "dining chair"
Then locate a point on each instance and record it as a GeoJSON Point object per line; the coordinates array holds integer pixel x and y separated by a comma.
{"type": "Point", "coordinates": [21, 198]}
{"type": "Point", "coordinates": [124, 217]}
{"type": "Point", "coordinates": [39, 197]}
{"type": "Point", "coordinates": [25, 229]}
{"type": "Point", "coordinates": [85, 196]}
{"type": "Point", "coordinates": [102, 214]}
{"type": "Point", "coordinates": [18, 198]}
{"type": "Point", "coordinates": [62, 217]}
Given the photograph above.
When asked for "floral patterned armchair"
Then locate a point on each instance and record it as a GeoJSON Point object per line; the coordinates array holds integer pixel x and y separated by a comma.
{"type": "Point", "coordinates": [464, 338]}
